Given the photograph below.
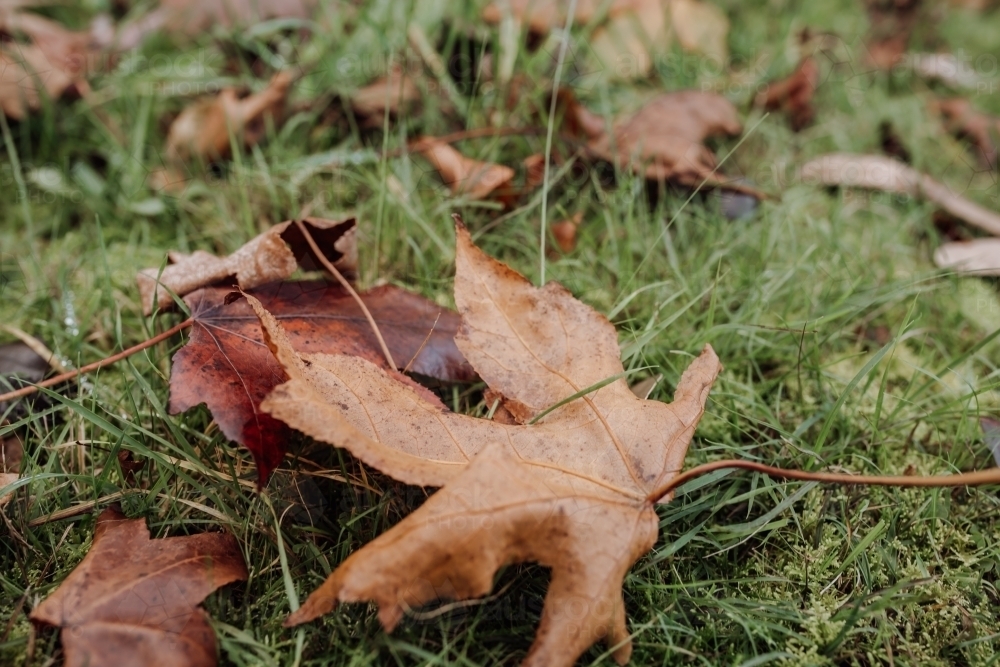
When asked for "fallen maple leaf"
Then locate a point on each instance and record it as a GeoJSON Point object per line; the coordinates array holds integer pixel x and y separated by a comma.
{"type": "Point", "coordinates": [664, 140]}
{"type": "Point", "coordinates": [270, 256]}
{"type": "Point", "coordinates": [465, 176]}
{"type": "Point", "coordinates": [134, 601]}
{"type": "Point", "coordinates": [875, 172]}
{"type": "Point", "coordinates": [203, 129]}
{"type": "Point", "coordinates": [572, 488]}
{"type": "Point", "coordinates": [226, 365]}
{"type": "Point", "coordinates": [982, 130]}
{"type": "Point", "coordinates": [793, 95]}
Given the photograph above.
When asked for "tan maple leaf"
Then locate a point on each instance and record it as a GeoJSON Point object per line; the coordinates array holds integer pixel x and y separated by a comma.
{"type": "Point", "coordinates": [570, 487]}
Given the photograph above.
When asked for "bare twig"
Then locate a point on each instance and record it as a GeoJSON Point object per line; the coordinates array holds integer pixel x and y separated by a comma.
{"type": "Point", "coordinates": [977, 478]}
{"type": "Point", "coordinates": [97, 365]}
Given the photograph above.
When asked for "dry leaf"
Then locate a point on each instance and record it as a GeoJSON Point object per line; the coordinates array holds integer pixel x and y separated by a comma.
{"type": "Point", "coordinates": [632, 33]}
{"type": "Point", "coordinates": [25, 72]}
{"type": "Point", "coordinates": [875, 172]}
{"type": "Point", "coordinates": [465, 176]}
{"type": "Point", "coordinates": [701, 27]}
{"type": "Point", "coordinates": [981, 130]}
{"type": "Point", "coordinates": [794, 94]}
{"type": "Point", "coordinates": [389, 94]}
{"type": "Point", "coordinates": [226, 365]}
{"type": "Point", "coordinates": [534, 170]}
{"type": "Point", "coordinates": [75, 53]}
{"type": "Point", "coordinates": [203, 129]}
{"type": "Point", "coordinates": [564, 232]}
{"type": "Point", "coordinates": [892, 23]}
{"type": "Point", "coordinates": [271, 256]}
{"type": "Point", "coordinates": [570, 491]}
{"type": "Point", "coordinates": [979, 256]}
{"type": "Point", "coordinates": [664, 139]}
{"type": "Point", "coordinates": [57, 58]}
{"type": "Point", "coordinates": [134, 601]}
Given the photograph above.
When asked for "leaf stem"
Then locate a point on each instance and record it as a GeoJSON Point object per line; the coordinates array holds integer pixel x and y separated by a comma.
{"type": "Point", "coordinates": [976, 478]}
{"type": "Point", "coordinates": [97, 365]}
{"type": "Point", "coordinates": [328, 265]}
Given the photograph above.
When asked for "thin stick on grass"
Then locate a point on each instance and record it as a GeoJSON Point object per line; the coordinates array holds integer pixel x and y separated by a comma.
{"type": "Point", "coordinates": [97, 365]}
{"type": "Point", "coordinates": [977, 478]}
{"type": "Point", "coordinates": [328, 265]}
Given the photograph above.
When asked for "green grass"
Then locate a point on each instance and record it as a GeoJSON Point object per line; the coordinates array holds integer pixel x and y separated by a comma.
{"type": "Point", "coordinates": [747, 570]}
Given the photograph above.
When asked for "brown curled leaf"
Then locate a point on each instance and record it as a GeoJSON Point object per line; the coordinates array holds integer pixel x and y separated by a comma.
{"type": "Point", "coordinates": [464, 175]}
{"type": "Point", "coordinates": [273, 255]}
